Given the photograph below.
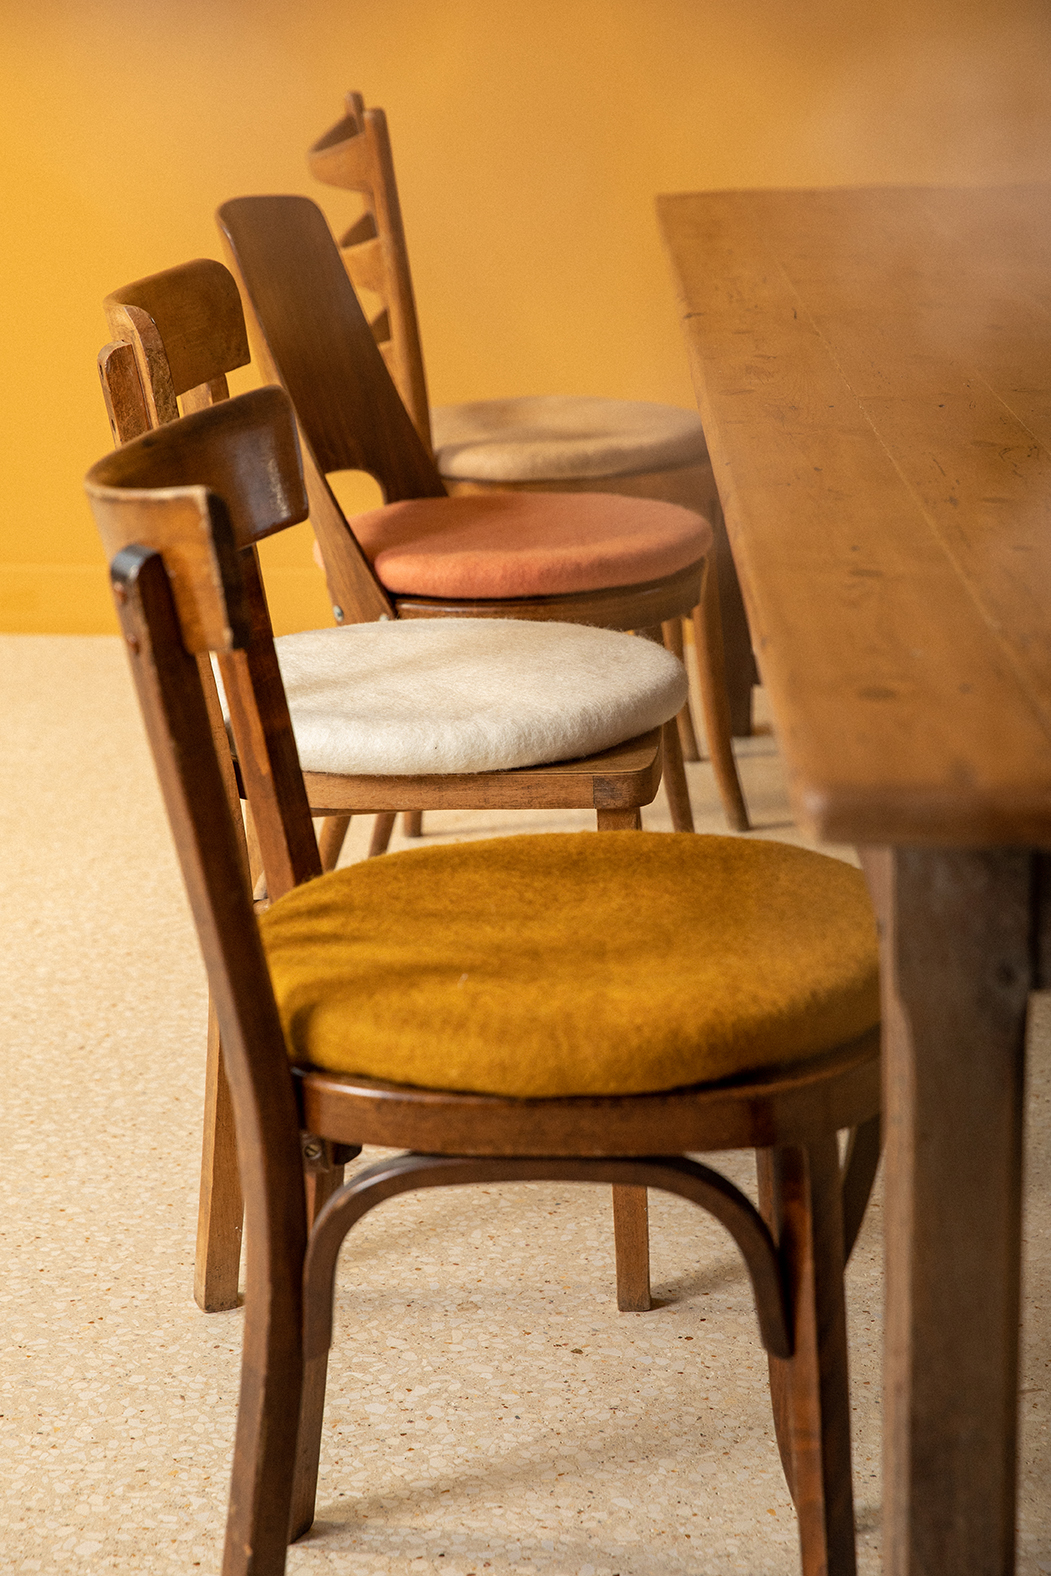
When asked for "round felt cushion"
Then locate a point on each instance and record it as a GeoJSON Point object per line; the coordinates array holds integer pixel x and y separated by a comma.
{"type": "Point", "coordinates": [574, 964]}
{"type": "Point", "coordinates": [562, 438]}
{"type": "Point", "coordinates": [442, 695]}
{"type": "Point", "coordinates": [495, 545]}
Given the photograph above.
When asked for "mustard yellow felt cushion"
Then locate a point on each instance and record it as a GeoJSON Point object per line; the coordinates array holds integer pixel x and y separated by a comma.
{"type": "Point", "coordinates": [573, 964]}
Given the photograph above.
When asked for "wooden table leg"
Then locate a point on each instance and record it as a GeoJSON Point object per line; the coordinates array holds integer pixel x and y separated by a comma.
{"type": "Point", "coordinates": [957, 936]}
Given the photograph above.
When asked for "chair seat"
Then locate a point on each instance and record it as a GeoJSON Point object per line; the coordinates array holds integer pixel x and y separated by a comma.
{"type": "Point", "coordinates": [574, 963]}
{"type": "Point", "coordinates": [455, 695]}
{"type": "Point", "coordinates": [556, 437]}
{"type": "Point", "coordinates": [497, 545]}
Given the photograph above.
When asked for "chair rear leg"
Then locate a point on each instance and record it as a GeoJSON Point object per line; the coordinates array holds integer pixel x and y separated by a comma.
{"type": "Point", "coordinates": [220, 1211]}
{"type": "Point", "coordinates": [801, 1195]}
{"type": "Point", "coordinates": [859, 1173]}
{"type": "Point", "coordinates": [412, 823]}
{"type": "Point", "coordinates": [711, 674]}
{"type": "Point", "coordinates": [330, 840]}
{"type": "Point", "coordinates": [631, 1236]}
{"type": "Point", "coordinates": [382, 827]}
{"type": "Point", "coordinates": [675, 785]}
{"type": "Point", "coordinates": [687, 737]}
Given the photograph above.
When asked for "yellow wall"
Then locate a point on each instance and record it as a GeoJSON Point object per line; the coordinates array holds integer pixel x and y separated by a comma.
{"type": "Point", "coordinates": [530, 137]}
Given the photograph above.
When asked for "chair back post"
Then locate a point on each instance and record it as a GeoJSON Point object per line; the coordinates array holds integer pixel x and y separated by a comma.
{"type": "Point", "coordinates": [269, 1155]}
{"type": "Point", "coordinates": [186, 329]}
{"type": "Point", "coordinates": [310, 333]}
{"type": "Point", "coordinates": [242, 460]}
{"type": "Point", "coordinates": [356, 156]}
{"type": "Point", "coordinates": [122, 391]}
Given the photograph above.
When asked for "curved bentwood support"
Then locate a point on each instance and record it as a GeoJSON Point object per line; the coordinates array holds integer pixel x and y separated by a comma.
{"type": "Point", "coordinates": [407, 1172]}
{"type": "Point", "coordinates": [675, 1174]}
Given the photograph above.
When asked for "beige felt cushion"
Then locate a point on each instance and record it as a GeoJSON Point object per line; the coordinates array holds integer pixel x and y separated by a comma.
{"type": "Point", "coordinates": [561, 438]}
{"type": "Point", "coordinates": [470, 695]}
{"type": "Point", "coordinates": [575, 963]}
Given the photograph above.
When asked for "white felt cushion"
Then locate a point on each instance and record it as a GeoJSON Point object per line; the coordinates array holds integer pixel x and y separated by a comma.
{"type": "Point", "coordinates": [470, 694]}
{"type": "Point", "coordinates": [558, 438]}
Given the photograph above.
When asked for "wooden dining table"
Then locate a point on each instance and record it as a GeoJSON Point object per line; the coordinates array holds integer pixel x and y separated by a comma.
{"type": "Point", "coordinates": [873, 370]}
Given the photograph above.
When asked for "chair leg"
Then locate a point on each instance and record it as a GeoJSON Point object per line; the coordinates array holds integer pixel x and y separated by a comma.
{"type": "Point", "coordinates": [859, 1173]}
{"type": "Point", "coordinates": [631, 1237]}
{"type": "Point", "coordinates": [330, 840]}
{"type": "Point", "coordinates": [412, 823]}
{"type": "Point", "coordinates": [801, 1196]}
{"type": "Point", "coordinates": [675, 785]}
{"type": "Point", "coordinates": [382, 827]}
{"type": "Point", "coordinates": [308, 1446]}
{"type": "Point", "coordinates": [712, 677]}
{"type": "Point", "coordinates": [220, 1209]}
{"type": "Point", "coordinates": [619, 820]}
{"type": "Point", "coordinates": [687, 737]}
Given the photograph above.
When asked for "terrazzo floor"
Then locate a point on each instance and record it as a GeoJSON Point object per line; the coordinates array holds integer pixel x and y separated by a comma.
{"type": "Point", "coordinates": [489, 1410]}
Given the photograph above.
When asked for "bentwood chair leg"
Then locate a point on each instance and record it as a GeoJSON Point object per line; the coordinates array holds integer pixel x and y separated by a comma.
{"type": "Point", "coordinates": [631, 1238]}
{"type": "Point", "coordinates": [220, 1208]}
{"type": "Point", "coordinates": [687, 737]}
{"type": "Point", "coordinates": [382, 827]}
{"type": "Point", "coordinates": [412, 823]}
{"type": "Point", "coordinates": [308, 1446]}
{"type": "Point", "coordinates": [330, 840]}
{"type": "Point", "coordinates": [707, 625]}
{"type": "Point", "coordinates": [801, 1195]}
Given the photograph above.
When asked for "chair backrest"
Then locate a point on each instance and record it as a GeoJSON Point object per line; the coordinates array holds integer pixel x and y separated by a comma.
{"type": "Point", "coordinates": [176, 335]}
{"type": "Point", "coordinates": [181, 499]}
{"type": "Point", "coordinates": [202, 491]}
{"type": "Point", "coordinates": [356, 156]}
{"type": "Point", "coordinates": [310, 334]}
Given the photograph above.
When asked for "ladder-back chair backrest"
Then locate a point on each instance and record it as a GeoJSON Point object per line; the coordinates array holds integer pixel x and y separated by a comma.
{"type": "Point", "coordinates": [356, 156]}
{"type": "Point", "coordinates": [310, 334]}
{"type": "Point", "coordinates": [203, 491]}
{"type": "Point", "coordinates": [176, 336]}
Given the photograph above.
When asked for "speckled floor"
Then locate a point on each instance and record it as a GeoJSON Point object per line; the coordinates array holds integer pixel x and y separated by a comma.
{"type": "Point", "coordinates": [489, 1410]}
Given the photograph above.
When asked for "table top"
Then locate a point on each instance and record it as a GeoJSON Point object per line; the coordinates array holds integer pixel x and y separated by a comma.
{"type": "Point", "coordinates": [873, 370]}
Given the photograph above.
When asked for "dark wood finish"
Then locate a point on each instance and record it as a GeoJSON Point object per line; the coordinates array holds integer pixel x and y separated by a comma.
{"type": "Point", "coordinates": [871, 368]}
{"type": "Point", "coordinates": [631, 1232]}
{"type": "Point", "coordinates": [957, 969]}
{"type": "Point", "coordinates": [635, 1142]}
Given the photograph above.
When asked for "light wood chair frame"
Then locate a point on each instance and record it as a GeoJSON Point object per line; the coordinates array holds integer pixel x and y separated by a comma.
{"type": "Point", "coordinates": [309, 334]}
{"type": "Point", "coordinates": [355, 156]}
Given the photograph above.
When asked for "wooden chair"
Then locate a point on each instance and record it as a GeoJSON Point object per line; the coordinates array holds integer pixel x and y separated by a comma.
{"type": "Point", "coordinates": [182, 331]}
{"type": "Point", "coordinates": [178, 333]}
{"type": "Point", "coordinates": [544, 443]}
{"type": "Point", "coordinates": [579, 557]}
{"type": "Point", "coordinates": [352, 1013]}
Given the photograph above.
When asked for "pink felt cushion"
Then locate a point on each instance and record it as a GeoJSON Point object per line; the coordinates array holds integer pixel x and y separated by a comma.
{"type": "Point", "coordinates": [527, 544]}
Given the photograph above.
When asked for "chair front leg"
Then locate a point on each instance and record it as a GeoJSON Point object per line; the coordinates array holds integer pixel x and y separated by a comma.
{"type": "Point", "coordinates": [801, 1198]}
{"type": "Point", "coordinates": [631, 1237]}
